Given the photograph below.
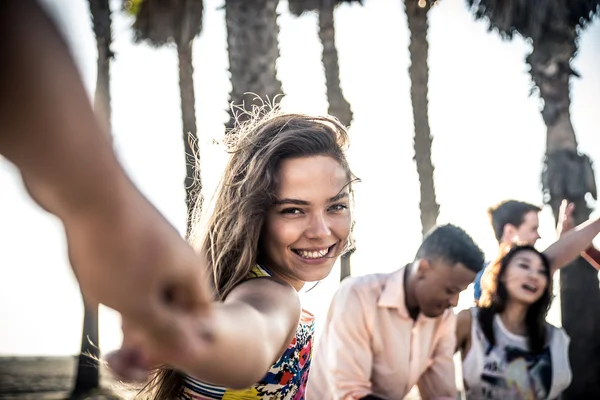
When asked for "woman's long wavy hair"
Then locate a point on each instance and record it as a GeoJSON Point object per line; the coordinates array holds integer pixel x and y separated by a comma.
{"type": "Point", "coordinates": [494, 297]}
{"type": "Point", "coordinates": [230, 239]}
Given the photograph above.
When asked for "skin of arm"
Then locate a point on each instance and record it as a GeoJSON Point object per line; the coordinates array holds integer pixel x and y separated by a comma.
{"type": "Point", "coordinates": [566, 224]}
{"type": "Point", "coordinates": [123, 252]}
{"type": "Point", "coordinates": [571, 244]}
{"type": "Point", "coordinates": [247, 333]}
{"type": "Point", "coordinates": [463, 331]}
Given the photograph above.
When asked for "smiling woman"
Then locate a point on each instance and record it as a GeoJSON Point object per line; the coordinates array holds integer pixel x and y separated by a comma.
{"type": "Point", "coordinates": [508, 348]}
{"type": "Point", "coordinates": [281, 217]}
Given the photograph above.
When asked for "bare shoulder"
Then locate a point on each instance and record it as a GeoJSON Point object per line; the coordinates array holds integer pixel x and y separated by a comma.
{"type": "Point", "coordinates": [463, 324]}
{"type": "Point", "coordinates": [268, 296]}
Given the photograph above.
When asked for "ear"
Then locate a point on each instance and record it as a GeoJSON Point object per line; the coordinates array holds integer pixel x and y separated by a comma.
{"type": "Point", "coordinates": [423, 268]}
{"type": "Point", "coordinates": [509, 232]}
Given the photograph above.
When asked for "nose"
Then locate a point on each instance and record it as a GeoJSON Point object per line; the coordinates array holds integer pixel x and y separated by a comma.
{"type": "Point", "coordinates": [454, 300]}
{"type": "Point", "coordinates": [533, 276]}
{"type": "Point", "coordinates": [318, 227]}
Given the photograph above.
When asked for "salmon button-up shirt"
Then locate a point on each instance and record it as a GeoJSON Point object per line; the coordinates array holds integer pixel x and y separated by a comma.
{"type": "Point", "coordinates": [371, 345]}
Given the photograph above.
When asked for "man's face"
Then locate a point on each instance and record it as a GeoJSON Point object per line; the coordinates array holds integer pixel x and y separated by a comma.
{"type": "Point", "coordinates": [439, 284]}
{"type": "Point", "coordinates": [527, 232]}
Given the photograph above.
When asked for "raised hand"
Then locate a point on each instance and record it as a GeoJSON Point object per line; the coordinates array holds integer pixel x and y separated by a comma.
{"type": "Point", "coordinates": [565, 218]}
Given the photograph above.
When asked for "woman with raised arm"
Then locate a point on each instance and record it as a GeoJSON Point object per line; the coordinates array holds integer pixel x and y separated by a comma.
{"type": "Point", "coordinates": [508, 349]}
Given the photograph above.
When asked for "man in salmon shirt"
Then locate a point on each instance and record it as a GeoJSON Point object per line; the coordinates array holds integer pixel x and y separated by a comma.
{"type": "Point", "coordinates": [385, 333]}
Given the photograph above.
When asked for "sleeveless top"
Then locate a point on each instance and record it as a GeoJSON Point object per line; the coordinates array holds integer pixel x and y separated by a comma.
{"type": "Point", "coordinates": [509, 370]}
{"type": "Point", "coordinates": [286, 379]}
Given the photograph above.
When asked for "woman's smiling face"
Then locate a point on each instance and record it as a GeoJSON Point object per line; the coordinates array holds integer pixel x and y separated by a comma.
{"type": "Point", "coordinates": [307, 229]}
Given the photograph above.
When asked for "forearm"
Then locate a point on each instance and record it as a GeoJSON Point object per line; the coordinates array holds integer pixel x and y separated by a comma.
{"type": "Point", "coordinates": [237, 339]}
{"type": "Point", "coordinates": [47, 125]}
{"type": "Point", "coordinates": [572, 244]}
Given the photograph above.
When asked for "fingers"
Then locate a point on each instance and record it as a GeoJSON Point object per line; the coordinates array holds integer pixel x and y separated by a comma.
{"type": "Point", "coordinates": [128, 364]}
{"type": "Point", "coordinates": [566, 208]}
{"type": "Point", "coordinates": [143, 350]}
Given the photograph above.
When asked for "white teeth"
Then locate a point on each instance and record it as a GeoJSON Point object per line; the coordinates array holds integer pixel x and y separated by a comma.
{"type": "Point", "coordinates": [530, 287]}
{"type": "Point", "coordinates": [313, 254]}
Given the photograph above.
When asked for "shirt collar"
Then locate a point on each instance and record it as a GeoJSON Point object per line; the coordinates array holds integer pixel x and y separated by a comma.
{"type": "Point", "coordinates": [393, 294]}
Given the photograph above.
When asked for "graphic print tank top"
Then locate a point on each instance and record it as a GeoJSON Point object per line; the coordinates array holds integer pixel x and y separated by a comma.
{"type": "Point", "coordinates": [285, 380]}
{"type": "Point", "coordinates": [509, 370]}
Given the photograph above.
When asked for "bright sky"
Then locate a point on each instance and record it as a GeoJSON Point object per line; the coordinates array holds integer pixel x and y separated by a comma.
{"type": "Point", "coordinates": [489, 141]}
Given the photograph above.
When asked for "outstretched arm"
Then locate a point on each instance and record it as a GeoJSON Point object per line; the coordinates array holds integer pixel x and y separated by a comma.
{"type": "Point", "coordinates": [246, 333]}
{"type": "Point", "coordinates": [123, 252]}
{"type": "Point", "coordinates": [572, 241]}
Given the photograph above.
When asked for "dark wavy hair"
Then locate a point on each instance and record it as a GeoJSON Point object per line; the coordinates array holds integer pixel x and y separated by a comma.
{"type": "Point", "coordinates": [494, 297]}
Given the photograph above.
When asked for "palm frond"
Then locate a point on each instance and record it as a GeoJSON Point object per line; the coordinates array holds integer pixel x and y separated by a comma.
{"type": "Point", "coordinates": [534, 18]}
{"type": "Point", "coordinates": [159, 22]}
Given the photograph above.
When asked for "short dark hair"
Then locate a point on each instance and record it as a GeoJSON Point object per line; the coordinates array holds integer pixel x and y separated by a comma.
{"type": "Point", "coordinates": [453, 245]}
{"type": "Point", "coordinates": [509, 212]}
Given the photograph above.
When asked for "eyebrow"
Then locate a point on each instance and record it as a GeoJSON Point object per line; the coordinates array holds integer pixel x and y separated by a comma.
{"type": "Point", "coordinates": [298, 202]}
{"type": "Point", "coordinates": [522, 258]}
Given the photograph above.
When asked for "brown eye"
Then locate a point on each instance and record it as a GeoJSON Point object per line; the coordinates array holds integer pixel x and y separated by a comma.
{"type": "Point", "coordinates": [338, 207]}
{"type": "Point", "coordinates": [292, 211]}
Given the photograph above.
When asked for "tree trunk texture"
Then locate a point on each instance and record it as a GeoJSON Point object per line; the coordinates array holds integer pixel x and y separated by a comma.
{"type": "Point", "coordinates": [419, 76]}
{"type": "Point", "coordinates": [192, 182]}
{"type": "Point", "coordinates": [252, 40]}
{"type": "Point", "coordinates": [88, 368]}
{"type": "Point", "coordinates": [101, 19]}
{"type": "Point", "coordinates": [338, 105]}
{"type": "Point", "coordinates": [345, 267]}
{"type": "Point", "coordinates": [569, 175]}
{"type": "Point", "coordinates": [551, 70]}
{"type": "Point", "coordinates": [87, 377]}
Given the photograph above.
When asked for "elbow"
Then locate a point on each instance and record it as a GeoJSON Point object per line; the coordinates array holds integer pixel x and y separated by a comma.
{"type": "Point", "coordinates": [249, 375]}
{"type": "Point", "coordinates": [250, 368]}
{"type": "Point", "coordinates": [252, 371]}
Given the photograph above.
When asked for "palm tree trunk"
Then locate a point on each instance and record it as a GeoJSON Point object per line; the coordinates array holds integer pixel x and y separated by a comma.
{"type": "Point", "coordinates": [88, 368]}
{"type": "Point", "coordinates": [101, 19]}
{"type": "Point", "coordinates": [338, 105]}
{"type": "Point", "coordinates": [569, 175]}
{"type": "Point", "coordinates": [345, 267]}
{"type": "Point", "coordinates": [419, 77]}
{"type": "Point", "coordinates": [193, 183]}
{"type": "Point", "coordinates": [253, 47]}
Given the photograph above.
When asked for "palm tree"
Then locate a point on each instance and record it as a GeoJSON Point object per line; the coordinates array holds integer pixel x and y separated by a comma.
{"type": "Point", "coordinates": [253, 48]}
{"type": "Point", "coordinates": [338, 105]}
{"type": "Point", "coordinates": [159, 23]}
{"type": "Point", "coordinates": [88, 368]}
{"type": "Point", "coordinates": [416, 15]}
{"type": "Point", "coordinates": [552, 27]}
